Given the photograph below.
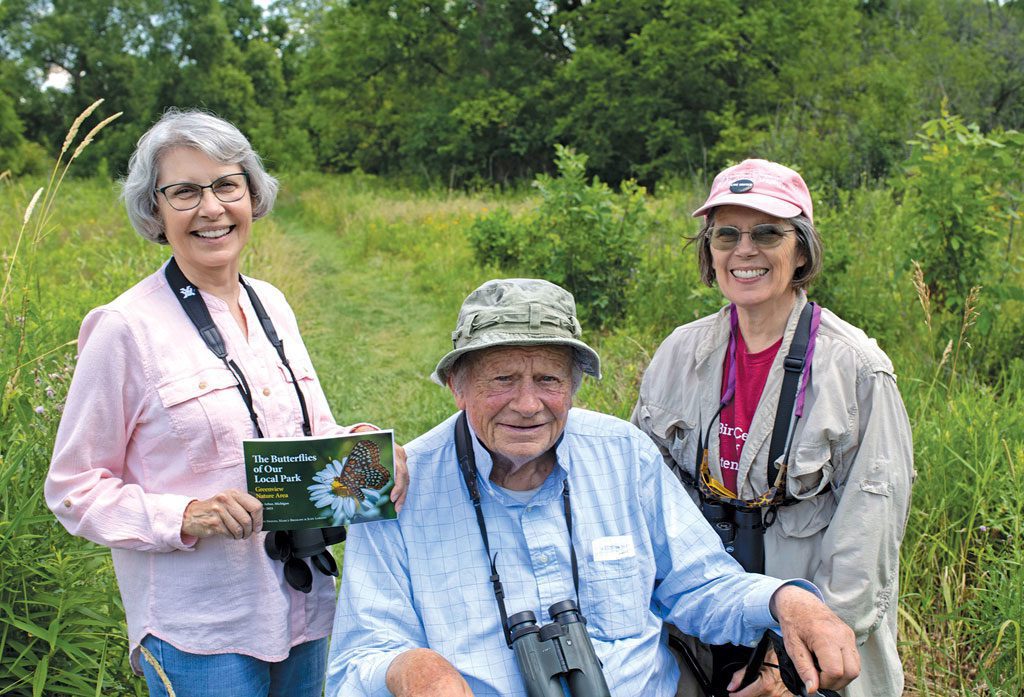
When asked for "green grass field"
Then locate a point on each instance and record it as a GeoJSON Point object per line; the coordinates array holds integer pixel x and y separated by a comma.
{"type": "Point", "coordinates": [376, 276]}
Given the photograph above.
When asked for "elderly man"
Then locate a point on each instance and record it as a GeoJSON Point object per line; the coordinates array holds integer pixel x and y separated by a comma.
{"type": "Point", "coordinates": [519, 502]}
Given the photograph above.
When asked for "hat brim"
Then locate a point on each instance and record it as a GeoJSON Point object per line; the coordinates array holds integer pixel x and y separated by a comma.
{"type": "Point", "coordinates": [759, 202]}
{"type": "Point", "coordinates": [585, 356]}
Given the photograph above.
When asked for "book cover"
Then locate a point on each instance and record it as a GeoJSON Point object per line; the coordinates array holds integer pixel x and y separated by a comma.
{"type": "Point", "coordinates": [321, 481]}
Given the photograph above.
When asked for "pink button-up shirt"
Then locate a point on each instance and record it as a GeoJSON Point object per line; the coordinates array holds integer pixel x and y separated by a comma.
{"type": "Point", "coordinates": [153, 421]}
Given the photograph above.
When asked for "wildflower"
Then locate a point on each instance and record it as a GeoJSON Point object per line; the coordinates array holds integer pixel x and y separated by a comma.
{"type": "Point", "coordinates": [40, 409]}
{"type": "Point", "coordinates": [50, 393]}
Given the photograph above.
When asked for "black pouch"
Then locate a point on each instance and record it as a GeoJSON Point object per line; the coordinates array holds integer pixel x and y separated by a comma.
{"type": "Point", "coordinates": [291, 547]}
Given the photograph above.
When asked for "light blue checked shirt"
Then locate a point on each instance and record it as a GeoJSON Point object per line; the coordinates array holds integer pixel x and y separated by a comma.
{"type": "Point", "coordinates": [646, 556]}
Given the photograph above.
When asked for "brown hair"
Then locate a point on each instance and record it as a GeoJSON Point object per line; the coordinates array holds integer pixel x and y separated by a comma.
{"type": "Point", "coordinates": [808, 243]}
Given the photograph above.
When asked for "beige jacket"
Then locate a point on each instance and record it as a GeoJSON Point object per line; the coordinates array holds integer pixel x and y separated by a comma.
{"type": "Point", "coordinates": [854, 436]}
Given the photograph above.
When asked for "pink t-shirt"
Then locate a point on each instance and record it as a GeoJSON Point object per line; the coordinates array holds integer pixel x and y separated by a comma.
{"type": "Point", "coordinates": [751, 374]}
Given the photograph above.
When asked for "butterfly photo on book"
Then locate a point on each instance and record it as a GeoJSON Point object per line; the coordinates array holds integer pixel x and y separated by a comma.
{"type": "Point", "coordinates": [362, 470]}
{"type": "Point", "coordinates": [353, 487]}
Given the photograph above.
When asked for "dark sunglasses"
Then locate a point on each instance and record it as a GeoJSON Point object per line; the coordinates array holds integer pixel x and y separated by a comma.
{"type": "Point", "coordinates": [765, 236]}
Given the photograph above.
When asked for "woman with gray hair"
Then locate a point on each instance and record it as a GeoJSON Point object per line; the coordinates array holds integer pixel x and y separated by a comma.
{"type": "Point", "coordinates": [784, 422]}
{"type": "Point", "coordinates": [171, 377]}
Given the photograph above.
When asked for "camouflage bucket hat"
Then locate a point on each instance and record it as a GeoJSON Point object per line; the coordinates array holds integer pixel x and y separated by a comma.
{"type": "Point", "coordinates": [518, 312]}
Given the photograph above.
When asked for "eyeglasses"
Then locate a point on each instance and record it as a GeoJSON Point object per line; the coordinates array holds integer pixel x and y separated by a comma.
{"type": "Point", "coordinates": [765, 236]}
{"type": "Point", "coordinates": [184, 196]}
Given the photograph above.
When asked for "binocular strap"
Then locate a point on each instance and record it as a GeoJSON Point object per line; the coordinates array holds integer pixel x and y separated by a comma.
{"type": "Point", "coordinates": [467, 466]}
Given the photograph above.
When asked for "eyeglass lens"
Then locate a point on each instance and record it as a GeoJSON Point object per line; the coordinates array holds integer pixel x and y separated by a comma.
{"type": "Point", "coordinates": [186, 195]}
{"type": "Point", "coordinates": [765, 236]}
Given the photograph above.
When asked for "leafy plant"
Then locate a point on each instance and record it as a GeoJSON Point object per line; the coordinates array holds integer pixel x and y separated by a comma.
{"type": "Point", "coordinates": [963, 191]}
{"type": "Point", "coordinates": [581, 236]}
{"type": "Point", "coordinates": [960, 184]}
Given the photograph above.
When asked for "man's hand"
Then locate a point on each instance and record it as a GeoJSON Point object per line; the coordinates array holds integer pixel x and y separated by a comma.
{"type": "Point", "coordinates": [232, 513]}
{"type": "Point", "coordinates": [401, 471]}
{"type": "Point", "coordinates": [425, 673]}
{"type": "Point", "coordinates": [401, 487]}
{"type": "Point", "coordinates": [810, 630]}
{"type": "Point", "coordinates": [768, 683]}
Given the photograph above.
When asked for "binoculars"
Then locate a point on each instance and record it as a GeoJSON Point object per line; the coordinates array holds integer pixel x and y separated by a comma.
{"type": "Point", "coordinates": [741, 531]}
{"type": "Point", "coordinates": [557, 653]}
{"type": "Point", "coordinates": [290, 547]}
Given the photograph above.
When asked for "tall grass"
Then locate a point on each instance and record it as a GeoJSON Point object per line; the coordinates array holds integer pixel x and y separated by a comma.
{"type": "Point", "coordinates": [61, 621]}
{"type": "Point", "coordinates": [962, 573]}
{"type": "Point", "coordinates": [376, 276]}
{"type": "Point", "coordinates": [389, 267]}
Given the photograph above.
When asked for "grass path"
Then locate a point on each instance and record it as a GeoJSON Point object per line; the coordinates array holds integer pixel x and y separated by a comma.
{"type": "Point", "coordinates": [376, 295]}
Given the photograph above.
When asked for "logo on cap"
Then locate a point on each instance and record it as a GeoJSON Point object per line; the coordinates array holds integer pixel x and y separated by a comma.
{"type": "Point", "coordinates": [741, 186]}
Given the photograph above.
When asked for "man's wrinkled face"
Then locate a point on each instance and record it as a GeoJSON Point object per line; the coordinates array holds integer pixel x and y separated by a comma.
{"type": "Point", "coordinates": [517, 399]}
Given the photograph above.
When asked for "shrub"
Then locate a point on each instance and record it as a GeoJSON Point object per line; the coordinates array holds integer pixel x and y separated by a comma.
{"type": "Point", "coordinates": [963, 187]}
{"type": "Point", "coordinates": [964, 192]}
{"type": "Point", "coordinates": [581, 236]}
{"type": "Point", "coordinates": [497, 240]}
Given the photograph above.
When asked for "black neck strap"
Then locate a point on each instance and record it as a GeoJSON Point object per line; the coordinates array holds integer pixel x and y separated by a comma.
{"type": "Point", "coordinates": [195, 307]}
{"type": "Point", "coordinates": [467, 465]}
{"type": "Point", "coordinates": [794, 367]}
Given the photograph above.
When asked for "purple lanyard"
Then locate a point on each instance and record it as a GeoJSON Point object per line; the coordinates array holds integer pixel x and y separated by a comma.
{"type": "Point", "coordinates": [734, 330]}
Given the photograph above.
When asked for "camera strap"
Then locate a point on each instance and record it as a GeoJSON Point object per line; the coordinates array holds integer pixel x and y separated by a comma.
{"type": "Point", "coordinates": [278, 545]}
{"type": "Point", "coordinates": [467, 466]}
{"type": "Point", "coordinates": [791, 405]}
{"type": "Point", "coordinates": [195, 307]}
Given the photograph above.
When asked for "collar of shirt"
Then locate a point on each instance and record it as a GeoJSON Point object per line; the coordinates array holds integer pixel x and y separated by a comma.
{"type": "Point", "coordinates": [550, 489]}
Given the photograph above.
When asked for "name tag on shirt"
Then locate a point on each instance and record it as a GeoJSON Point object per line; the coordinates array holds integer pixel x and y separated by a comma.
{"type": "Point", "coordinates": [613, 548]}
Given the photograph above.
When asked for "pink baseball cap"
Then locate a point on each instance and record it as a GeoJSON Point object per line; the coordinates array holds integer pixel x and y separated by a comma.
{"type": "Point", "coordinates": [762, 185]}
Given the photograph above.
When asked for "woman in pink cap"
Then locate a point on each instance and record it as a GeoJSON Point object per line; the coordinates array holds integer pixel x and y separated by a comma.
{"type": "Point", "coordinates": [785, 424]}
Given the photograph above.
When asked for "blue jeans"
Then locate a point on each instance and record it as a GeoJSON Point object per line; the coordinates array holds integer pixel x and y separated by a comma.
{"type": "Point", "coordinates": [235, 675]}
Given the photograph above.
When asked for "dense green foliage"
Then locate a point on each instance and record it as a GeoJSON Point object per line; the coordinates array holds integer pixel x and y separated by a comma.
{"type": "Point", "coordinates": [477, 92]}
{"type": "Point", "coordinates": [581, 236]}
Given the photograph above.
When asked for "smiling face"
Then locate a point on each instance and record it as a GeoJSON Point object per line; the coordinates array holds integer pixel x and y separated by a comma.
{"type": "Point", "coordinates": [207, 240]}
{"type": "Point", "coordinates": [517, 399]}
{"type": "Point", "coordinates": [753, 278]}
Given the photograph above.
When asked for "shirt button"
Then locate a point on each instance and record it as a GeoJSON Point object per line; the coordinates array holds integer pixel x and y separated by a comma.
{"type": "Point", "coordinates": [67, 503]}
{"type": "Point", "coordinates": [202, 385]}
{"type": "Point", "coordinates": [266, 391]}
{"type": "Point", "coordinates": [542, 558]}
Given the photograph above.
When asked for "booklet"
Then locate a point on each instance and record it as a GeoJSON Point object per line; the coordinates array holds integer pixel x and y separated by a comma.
{"type": "Point", "coordinates": [321, 481]}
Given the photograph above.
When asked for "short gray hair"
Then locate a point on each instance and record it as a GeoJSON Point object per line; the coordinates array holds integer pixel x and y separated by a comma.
{"type": "Point", "coordinates": [210, 135]}
{"type": "Point", "coordinates": [462, 365]}
{"type": "Point", "coordinates": [808, 243]}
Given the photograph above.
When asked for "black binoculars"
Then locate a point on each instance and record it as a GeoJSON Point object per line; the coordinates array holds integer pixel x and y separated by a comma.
{"type": "Point", "coordinates": [557, 654]}
{"type": "Point", "coordinates": [292, 546]}
{"type": "Point", "coordinates": [741, 531]}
